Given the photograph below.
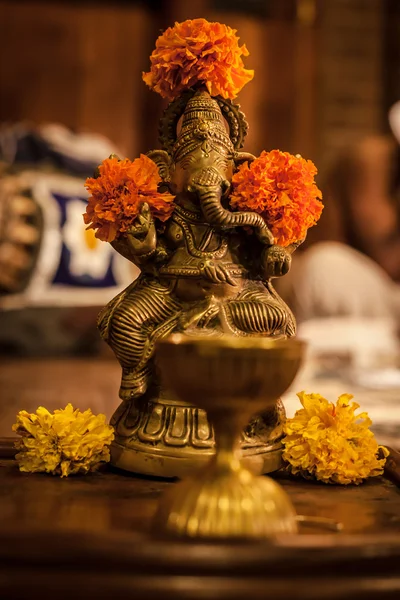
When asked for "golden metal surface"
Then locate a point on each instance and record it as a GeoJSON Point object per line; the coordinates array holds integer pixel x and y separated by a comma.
{"type": "Point", "coordinates": [231, 378]}
{"type": "Point", "coordinates": [200, 272]}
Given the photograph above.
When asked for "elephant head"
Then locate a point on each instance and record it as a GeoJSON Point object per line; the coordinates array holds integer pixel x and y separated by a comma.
{"type": "Point", "coordinates": [202, 164]}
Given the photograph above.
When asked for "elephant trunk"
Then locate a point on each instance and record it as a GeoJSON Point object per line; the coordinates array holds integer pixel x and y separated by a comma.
{"type": "Point", "coordinates": [210, 187]}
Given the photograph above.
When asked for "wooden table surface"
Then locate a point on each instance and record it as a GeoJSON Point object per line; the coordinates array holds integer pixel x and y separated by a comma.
{"type": "Point", "coordinates": [90, 537]}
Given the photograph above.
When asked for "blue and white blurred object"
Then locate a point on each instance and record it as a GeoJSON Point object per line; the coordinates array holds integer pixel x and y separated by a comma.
{"type": "Point", "coordinates": [65, 265]}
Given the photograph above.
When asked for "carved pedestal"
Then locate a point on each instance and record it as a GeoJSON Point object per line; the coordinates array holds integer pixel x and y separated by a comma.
{"type": "Point", "coordinates": [167, 438]}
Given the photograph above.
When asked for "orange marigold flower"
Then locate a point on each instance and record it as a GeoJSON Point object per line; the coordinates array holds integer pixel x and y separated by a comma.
{"type": "Point", "coordinates": [198, 52]}
{"type": "Point", "coordinates": [281, 188]}
{"type": "Point", "coordinates": [119, 193]}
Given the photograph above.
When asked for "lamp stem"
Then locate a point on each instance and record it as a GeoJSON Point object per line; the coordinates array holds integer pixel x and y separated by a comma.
{"type": "Point", "coordinates": [228, 425]}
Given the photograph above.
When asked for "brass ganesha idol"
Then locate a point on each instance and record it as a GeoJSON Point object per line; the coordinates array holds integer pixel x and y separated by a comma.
{"type": "Point", "coordinates": [206, 270]}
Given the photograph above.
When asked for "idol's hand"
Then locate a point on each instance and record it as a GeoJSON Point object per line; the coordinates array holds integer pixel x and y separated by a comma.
{"type": "Point", "coordinates": [276, 261]}
{"type": "Point", "coordinates": [142, 237]}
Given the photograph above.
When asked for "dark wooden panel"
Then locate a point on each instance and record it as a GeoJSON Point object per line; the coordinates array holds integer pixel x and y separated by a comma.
{"type": "Point", "coordinates": [392, 52]}
{"type": "Point", "coordinates": [267, 9]}
{"type": "Point", "coordinates": [114, 40]}
{"type": "Point", "coordinates": [350, 74]}
{"type": "Point", "coordinates": [40, 71]}
{"type": "Point", "coordinates": [81, 63]}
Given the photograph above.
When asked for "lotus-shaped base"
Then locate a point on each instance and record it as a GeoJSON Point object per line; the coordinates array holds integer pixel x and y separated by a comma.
{"type": "Point", "coordinates": [232, 378]}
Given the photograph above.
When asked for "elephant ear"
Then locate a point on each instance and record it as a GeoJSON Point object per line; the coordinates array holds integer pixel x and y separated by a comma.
{"type": "Point", "coordinates": [163, 162]}
{"type": "Point", "coordinates": [241, 157]}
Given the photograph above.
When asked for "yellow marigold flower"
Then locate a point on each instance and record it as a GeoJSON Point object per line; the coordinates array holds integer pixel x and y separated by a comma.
{"type": "Point", "coordinates": [63, 443]}
{"type": "Point", "coordinates": [330, 442]}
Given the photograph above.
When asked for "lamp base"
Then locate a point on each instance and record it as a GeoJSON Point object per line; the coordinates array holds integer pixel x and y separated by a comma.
{"type": "Point", "coordinates": [225, 502]}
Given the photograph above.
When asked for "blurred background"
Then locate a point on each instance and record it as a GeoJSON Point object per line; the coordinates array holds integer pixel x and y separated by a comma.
{"type": "Point", "coordinates": [327, 80]}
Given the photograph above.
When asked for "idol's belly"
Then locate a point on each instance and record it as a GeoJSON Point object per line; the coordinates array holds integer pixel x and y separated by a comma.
{"type": "Point", "coordinates": [189, 289]}
{"type": "Point", "coordinates": [199, 277]}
